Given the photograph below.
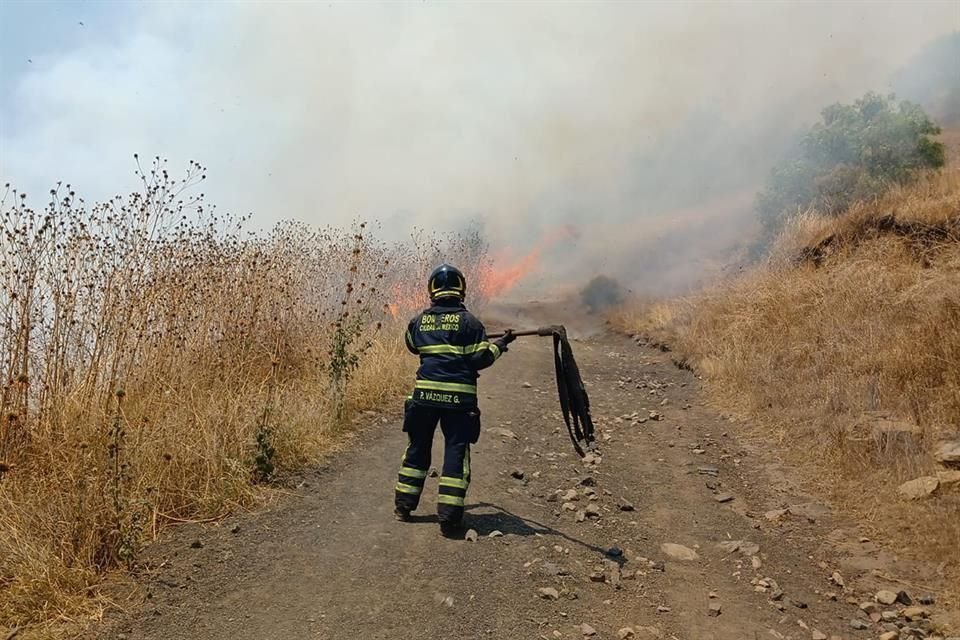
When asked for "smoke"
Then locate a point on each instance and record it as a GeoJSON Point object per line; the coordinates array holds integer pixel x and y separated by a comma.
{"type": "Point", "coordinates": [647, 126]}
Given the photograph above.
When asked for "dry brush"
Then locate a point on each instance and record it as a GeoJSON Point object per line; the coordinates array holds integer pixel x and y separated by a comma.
{"type": "Point", "coordinates": [159, 362]}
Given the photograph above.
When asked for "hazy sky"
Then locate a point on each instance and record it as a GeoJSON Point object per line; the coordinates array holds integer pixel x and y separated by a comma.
{"type": "Point", "coordinates": [522, 114]}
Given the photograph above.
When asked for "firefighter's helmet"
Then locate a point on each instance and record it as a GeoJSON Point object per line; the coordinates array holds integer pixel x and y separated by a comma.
{"type": "Point", "coordinates": [447, 281]}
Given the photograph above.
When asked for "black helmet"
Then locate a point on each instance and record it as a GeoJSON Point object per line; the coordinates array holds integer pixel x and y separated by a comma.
{"type": "Point", "coordinates": [447, 281]}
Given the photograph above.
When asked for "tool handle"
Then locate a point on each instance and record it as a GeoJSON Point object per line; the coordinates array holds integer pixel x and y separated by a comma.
{"type": "Point", "coordinates": [542, 331]}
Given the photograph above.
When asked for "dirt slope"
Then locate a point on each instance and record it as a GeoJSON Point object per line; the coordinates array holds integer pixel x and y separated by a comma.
{"type": "Point", "coordinates": [330, 563]}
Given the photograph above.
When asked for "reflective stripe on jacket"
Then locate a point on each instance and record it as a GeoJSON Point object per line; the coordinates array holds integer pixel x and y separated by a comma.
{"type": "Point", "coordinates": [453, 347]}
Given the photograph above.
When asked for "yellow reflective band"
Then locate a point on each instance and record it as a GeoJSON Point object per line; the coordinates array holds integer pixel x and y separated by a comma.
{"type": "Point", "coordinates": [430, 385]}
{"type": "Point", "coordinates": [453, 500]}
{"type": "Point", "coordinates": [441, 348]}
{"type": "Point", "coordinates": [458, 350]}
{"type": "Point", "coordinates": [444, 294]}
{"type": "Point", "coordinates": [496, 351]}
{"type": "Point", "coordinates": [406, 488]}
{"type": "Point", "coordinates": [473, 348]}
{"type": "Point", "coordinates": [413, 473]}
{"type": "Point", "coordinates": [457, 483]}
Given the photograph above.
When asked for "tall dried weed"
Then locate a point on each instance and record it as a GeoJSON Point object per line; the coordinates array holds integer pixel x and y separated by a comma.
{"type": "Point", "coordinates": [158, 361]}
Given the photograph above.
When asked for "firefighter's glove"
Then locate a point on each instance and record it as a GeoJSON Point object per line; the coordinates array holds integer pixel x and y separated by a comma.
{"type": "Point", "coordinates": [505, 339]}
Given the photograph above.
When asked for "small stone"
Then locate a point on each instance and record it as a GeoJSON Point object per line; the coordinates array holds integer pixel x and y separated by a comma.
{"type": "Point", "coordinates": [588, 481]}
{"type": "Point", "coordinates": [885, 597]}
{"type": "Point", "coordinates": [919, 488]}
{"type": "Point", "coordinates": [500, 431]}
{"type": "Point", "coordinates": [570, 495]}
{"type": "Point", "coordinates": [569, 506]}
{"type": "Point", "coordinates": [591, 511]}
{"type": "Point", "coordinates": [548, 593]}
{"type": "Point", "coordinates": [777, 595]}
{"type": "Point", "coordinates": [679, 552]}
{"type": "Point", "coordinates": [614, 552]}
{"type": "Point", "coordinates": [471, 535]}
{"type": "Point", "coordinates": [799, 604]}
{"type": "Point", "coordinates": [433, 473]}
{"type": "Point", "coordinates": [729, 546]}
{"type": "Point", "coordinates": [776, 514]}
{"type": "Point", "coordinates": [712, 595]}
{"type": "Point", "coordinates": [749, 548]}
{"type": "Point", "coordinates": [517, 473]}
{"type": "Point", "coordinates": [927, 599]}
{"type": "Point", "coordinates": [196, 544]}
{"type": "Point", "coordinates": [723, 497]}
{"type": "Point", "coordinates": [837, 579]}
{"type": "Point", "coordinates": [756, 562]}
{"type": "Point", "coordinates": [527, 385]}
{"type": "Point", "coordinates": [890, 635]}
{"type": "Point", "coordinates": [587, 630]}
{"type": "Point", "coordinates": [886, 616]}
{"type": "Point", "coordinates": [581, 516]}
{"type": "Point", "coordinates": [948, 479]}
{"type": "Point", "coordinates": [859, 625]}
{"type": "Point", "coordinates": [625, 505]}
{"type": "Point", "coordinates": [714, 609]}
{"type": "Point", "coordinates": [496, 533]}
{"type": "Point", "coordinates": [663, 609]}
{"type": "Point", "coordinates": [235, 529]}
{"type": "Point", "coordinates": [914, 613]}
{"type": "Point", "coordinates": [625, 633]}
{"type": "Point", "coordinates": [948, 453]}
{"type": "Point", "coordinates": [904, 598]}
{"type": "Point", "coordinates": [818, 635]}
{"type": "Point", "coordinates": [868, 607]}
{"type": "Point", "coordinates": [598, 576]}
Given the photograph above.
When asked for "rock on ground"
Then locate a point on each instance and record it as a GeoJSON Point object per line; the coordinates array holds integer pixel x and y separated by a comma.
{"type": "Point", "coordinates": [919, 487]}
{"type": "Point", "coordinates": [948, 453]}
{"type": "Point", "coordinates": [678, 551]}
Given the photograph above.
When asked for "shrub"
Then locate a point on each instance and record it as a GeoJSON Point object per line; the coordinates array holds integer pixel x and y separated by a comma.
{"type": "Point", "coordinates": [602, 292]}
{"type": "Point", "coordinates": [856, 152]}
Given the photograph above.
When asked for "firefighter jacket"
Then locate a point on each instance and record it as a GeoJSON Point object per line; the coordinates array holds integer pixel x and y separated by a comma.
{"type": "Point", "coordinates": [453, 347]}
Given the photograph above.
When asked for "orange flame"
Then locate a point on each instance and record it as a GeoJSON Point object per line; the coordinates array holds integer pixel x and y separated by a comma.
{"type": "Point", "coordinates": [505, 274]}
{"type": "Point", "coordinates": [501, 275]}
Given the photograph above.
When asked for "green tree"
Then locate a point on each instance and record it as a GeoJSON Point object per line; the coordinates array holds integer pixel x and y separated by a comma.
{"type": "Point", "coordinates": [856, 151]}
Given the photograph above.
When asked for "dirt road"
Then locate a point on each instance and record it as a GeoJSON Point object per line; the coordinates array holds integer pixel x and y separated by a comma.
{"type": "Point", "coordinates": [331, 563]}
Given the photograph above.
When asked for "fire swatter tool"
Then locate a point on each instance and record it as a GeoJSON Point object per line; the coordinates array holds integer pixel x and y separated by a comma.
{"type": "Point", "coordinates": [574, 402]}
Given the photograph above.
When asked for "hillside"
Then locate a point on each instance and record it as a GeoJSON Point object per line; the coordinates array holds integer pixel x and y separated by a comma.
{"type": "Point", "coordinates": [844, 349]}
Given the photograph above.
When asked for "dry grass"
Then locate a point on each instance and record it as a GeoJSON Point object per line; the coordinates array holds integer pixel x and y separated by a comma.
{"type": "Point", "coordinates": [161, 365]}
{"type": "Point", "coordinates": [852, 315]}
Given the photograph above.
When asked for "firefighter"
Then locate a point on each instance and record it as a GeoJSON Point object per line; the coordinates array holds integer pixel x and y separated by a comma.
{"type": "Point", "coordinates": [453, 347]}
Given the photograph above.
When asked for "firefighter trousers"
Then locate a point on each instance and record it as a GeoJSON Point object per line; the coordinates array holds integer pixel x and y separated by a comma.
{"type": "Point", "coordinates": [460, 428]}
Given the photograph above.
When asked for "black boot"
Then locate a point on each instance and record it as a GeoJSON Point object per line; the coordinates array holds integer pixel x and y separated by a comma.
{"type": "Point", "coordinates": [450, 529]}
{"type": "Point", "coordinates": [401, 513]}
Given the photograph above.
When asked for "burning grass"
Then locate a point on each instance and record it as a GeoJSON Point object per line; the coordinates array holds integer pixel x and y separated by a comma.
{"type": "Point", "coordinates": [852, 317]}
{"type": "Point", "coordinates": [159, 365]}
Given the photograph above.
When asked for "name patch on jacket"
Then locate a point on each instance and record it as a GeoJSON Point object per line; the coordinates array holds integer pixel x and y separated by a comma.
{"type": "Point", "coordinates": [440, 322]}
{"type": "Point", "coordinates": [435, 396]}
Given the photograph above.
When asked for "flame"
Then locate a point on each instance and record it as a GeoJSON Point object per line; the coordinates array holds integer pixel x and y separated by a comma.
{"type": "Point", "coordinates": [406, 298]}
{"type": "Point", "coordinates": [500, 275]}
{"type": "Point", "coordinates": [503, 274]}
